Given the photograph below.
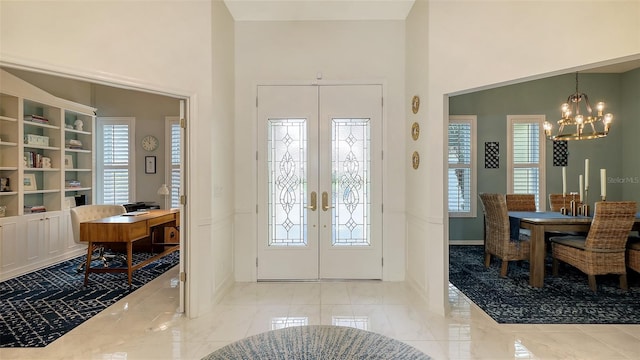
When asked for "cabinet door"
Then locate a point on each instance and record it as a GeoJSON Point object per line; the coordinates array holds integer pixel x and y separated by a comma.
{"type": "Point", "coordinates": [53, 233]}
{"type": "Point", "coordinates": [12, 251]}
{"type": "Point", "coordinates": [36, 244]}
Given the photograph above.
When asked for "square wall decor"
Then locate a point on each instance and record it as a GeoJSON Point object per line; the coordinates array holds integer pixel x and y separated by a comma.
{"type": "Point", "coordinates": [560, 153]}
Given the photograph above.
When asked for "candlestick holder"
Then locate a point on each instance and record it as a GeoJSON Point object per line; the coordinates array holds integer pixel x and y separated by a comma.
{"type": "Point", "coordinates": [563, 209]}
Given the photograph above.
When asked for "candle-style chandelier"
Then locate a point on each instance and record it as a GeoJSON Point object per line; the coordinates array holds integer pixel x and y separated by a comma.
{"type": "Point", "coordinates": [586, 125]}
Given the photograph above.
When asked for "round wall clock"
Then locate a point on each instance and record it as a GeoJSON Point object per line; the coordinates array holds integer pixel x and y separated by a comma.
{"type": "Point", "coordinates": [415, 131]}
{"type": "Point", "coordinates": [415, 104]}
{"type": "Point", "coordinates": [149, 143]}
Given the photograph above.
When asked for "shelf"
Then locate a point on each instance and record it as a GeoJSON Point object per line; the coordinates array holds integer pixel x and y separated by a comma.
{"type": "Point", "coordinates": [77, 189]}
{"type": "Point", "coordinates": [6, 143]}
{"type": "Point", "coordinates": [41, 191]}
{"type": "Point", "coordinates": [77, 131]}
{"type": "Point", "coordinates": [41, 169]}
{"type": "Point", "coordinates": [7, 193]}
{"type": "Point", "coordinates": [36, 124]}
{"type": "Point", "coordinates": [6, 118]}
{"type": "Point", "coordinates": [8, 168]}
{"type": "Point", "coordinates": [77, 170]}
{"type": "Point", "coordinates": [77, 150]}
{"type": "Point", "coordinates": [26, 146]}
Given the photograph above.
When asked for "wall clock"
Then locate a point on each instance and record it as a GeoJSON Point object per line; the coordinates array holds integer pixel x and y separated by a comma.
{"type": "Point", "coordinates": [149, 143]}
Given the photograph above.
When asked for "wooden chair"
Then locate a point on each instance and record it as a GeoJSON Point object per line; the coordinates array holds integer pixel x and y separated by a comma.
{"type": "Point", "coordinates": [497, 240]}
{"type": "Point", "coordinates": [602, 251]}
{"type": "Point", "coordinates": [521, 202]}
{"type": "Point", "coordinates": [633, 253]}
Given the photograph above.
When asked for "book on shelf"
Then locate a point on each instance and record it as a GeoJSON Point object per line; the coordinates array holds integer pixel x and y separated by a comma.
{"type": "Point", "coordinates": [32, 209]}
{"type": "Point", "coordinates": [72, 184]}
{"type": "Point", "coordinates": [32, 159]}
{"type": "Point", "coordinates": [36, 118]}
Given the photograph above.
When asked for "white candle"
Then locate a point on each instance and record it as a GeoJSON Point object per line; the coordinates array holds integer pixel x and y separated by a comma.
{"type": "Point", "coordinates": [581, 186]}
{"type": "Point", "coordinates": [564, 181]}
{"type": "Point", "coordinates": [603, 183]}
{"type": "Point", "coordinates": [586, 174]}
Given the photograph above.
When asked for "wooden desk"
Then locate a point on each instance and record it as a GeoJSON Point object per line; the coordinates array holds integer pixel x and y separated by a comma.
{"type": "Point", "coordinates": [541, 222]}
{"type": "Point", "coordinates": [127, 229]}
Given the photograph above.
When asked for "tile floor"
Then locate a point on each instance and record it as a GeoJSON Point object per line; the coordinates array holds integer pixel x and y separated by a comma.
{"type": "Point", "coordinates": [144, 325]}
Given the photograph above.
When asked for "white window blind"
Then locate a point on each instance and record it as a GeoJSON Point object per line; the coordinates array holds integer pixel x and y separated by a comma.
{"type": "Point", "coordinates": [462, 166]}
{"type": "Point", "coordinates": [526, 162]}
{"type": "Point", "coordinates": [175, 164]}
{"type": "Point", "coordinates": [115, 165]}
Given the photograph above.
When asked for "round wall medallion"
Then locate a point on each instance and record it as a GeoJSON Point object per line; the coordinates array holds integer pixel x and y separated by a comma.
{"type": "Point", "coordinates": [415, 131]}
{"type": "Point", "coordinates": [415, 159]}
{"type": "Point", "coordinates": [415, 104]}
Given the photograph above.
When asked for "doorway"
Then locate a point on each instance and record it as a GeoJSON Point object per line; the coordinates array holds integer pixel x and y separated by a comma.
{"type": "Point", "coordinates": [320, 182]}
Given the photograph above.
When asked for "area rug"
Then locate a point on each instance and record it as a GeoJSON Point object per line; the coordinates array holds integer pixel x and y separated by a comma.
{"type": "Point", "coordinates": [317, 342]}
{"type": "Point", "coordinates": [39, 307]}
{"type": "Point", "coordinates": [565, 299]}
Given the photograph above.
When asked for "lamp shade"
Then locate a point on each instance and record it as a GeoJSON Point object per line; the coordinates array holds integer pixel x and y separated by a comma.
{"type": "Point", "coordinates": [163, 190]}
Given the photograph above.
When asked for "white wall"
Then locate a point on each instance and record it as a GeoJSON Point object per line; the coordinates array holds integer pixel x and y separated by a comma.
{"type": "Point", "coordinates": [294, 52]}
{"type": "Point", "coordinates": [160, 45]}
{"type": "Point", "coordinates": [479, 43]}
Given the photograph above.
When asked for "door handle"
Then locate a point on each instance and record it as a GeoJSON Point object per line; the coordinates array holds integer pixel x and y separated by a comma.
{"type": "Point", "coordinates": [325, 201]}
{"type": "Point", "coordinates": [313, 201]}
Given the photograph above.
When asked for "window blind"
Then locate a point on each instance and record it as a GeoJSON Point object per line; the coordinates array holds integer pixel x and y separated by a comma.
{"type": "Point", "coordinates": [175, 164]}
{"type": "Point", "coordinates": [115, 164]}
{"type": "Point", "coordinates": [460, 172]}
{"type": "Point", "coordinates": [526, 158]}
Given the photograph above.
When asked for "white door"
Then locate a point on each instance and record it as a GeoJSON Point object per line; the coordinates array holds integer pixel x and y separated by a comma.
{"type": "Point", "coordinates": [320, 182]}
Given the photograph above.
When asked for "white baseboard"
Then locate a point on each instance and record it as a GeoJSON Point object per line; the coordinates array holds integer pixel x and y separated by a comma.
{"type": "Point", "coordinates": [466, 242]}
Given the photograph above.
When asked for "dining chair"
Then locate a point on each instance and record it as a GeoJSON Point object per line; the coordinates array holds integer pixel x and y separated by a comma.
{"type": "Point", "coordinates": [559, 201]}
{"type": "Point", "coordinates": [521, 202]}
{"type": "Point", "coordinates": [498, 240]}
{"type": "Point", "coordinates": [602, 250]}
{"type": "Point", "coordinates": [633, 253]}
{"type": "Point", "coordinates": [84, 213]}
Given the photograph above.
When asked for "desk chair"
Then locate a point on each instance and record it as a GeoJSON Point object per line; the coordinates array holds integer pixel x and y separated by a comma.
{"type": "Point", "coordinates": [92, 212]}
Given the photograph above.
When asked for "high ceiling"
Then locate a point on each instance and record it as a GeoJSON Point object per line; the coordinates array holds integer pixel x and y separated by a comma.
{"type": "Point", "coordinates": [294, 10]}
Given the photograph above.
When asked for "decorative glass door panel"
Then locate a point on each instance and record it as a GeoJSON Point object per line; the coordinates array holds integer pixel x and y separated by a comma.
{"type": "Point", "coordinates": [319, 182]}
{"type": "Point", "coordinates": [351, 163]}
{"type": "Point", "coordinates": [287, 144]}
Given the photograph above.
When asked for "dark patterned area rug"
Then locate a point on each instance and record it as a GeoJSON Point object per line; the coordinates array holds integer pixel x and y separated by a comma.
{"type": "Point", "coordinates": [39, 307]}
{"type": "Point", "coordinates": [565, 299]}
{"type": "Point", "coordinates": [317, 342]}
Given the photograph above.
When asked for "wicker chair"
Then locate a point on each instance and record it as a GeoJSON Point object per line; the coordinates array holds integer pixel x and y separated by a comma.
{"type": "Point", "coordinates": [498, 241]}
{"type": "Point", "coordinates": [521, 202]}
{"type": "Point", "coordinates": [633, 253]}
{"type": "Point", "coordinates": [602, 251]}
{"type": "Point", "coordinates": [557, 201]}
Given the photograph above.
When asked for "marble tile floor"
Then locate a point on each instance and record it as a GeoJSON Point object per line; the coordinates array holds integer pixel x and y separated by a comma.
{"type": "Point", "coordinates": [144, 325]}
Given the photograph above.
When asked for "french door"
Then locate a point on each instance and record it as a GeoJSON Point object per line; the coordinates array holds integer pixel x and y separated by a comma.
{"type": "Point", "coordinates": [320, 182]}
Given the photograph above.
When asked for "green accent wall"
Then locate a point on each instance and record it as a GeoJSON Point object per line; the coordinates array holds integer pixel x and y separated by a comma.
{"type": "Point", "coordinates": [617, 152]}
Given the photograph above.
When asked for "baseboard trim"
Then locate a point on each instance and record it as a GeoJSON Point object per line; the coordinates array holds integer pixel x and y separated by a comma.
{"type": "Point", "coordinates": [466, 242]}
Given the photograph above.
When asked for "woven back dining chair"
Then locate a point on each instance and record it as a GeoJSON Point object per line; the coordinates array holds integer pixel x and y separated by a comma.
{"type": "Point", "coordinates": [602, 251]}
{"type": "Point", "coordinates": [633, 253]}
{"type": "Point", "coordinates": [558, 201]}
{"type": "Point", "coordinates": [521, 202]}
{"type": "Point", "coordinates": [497, 241]}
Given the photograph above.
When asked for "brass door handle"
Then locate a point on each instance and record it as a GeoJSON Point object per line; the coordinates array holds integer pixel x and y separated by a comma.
{"type": "Point", "coordinates": [325, 201]}
{"type": "Point", "coordinates": [313, 201]}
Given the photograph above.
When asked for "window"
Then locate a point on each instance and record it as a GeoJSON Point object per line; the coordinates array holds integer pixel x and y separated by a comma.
{"type": "Point", "coordinates": [173, 161]}
{"type": "Point", "coordinates": [462, 166]}
{"type": "Point", "coordinates": [526, 163]}
{"type": "Point", "coordinates": [115, 164]}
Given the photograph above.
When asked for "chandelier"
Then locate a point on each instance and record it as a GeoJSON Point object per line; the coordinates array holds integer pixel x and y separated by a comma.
{"type": "Point", "coordinates": [586, 125]}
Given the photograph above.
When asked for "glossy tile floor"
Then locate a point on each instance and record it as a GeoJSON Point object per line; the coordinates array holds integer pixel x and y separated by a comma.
{"type": "Point", "coordinates": [144, 325]}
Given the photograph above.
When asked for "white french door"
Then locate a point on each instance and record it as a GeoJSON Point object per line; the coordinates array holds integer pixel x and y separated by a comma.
{"type": "Point", "coordinates": [320, 182]}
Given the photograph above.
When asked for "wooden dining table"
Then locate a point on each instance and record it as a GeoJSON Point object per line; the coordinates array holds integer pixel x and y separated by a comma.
{"type": "Point", "coordinates": [547, 221]}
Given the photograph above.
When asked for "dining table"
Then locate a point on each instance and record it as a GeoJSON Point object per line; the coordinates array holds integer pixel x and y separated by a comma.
{"type": "Point", "coordinates": [539, 223]}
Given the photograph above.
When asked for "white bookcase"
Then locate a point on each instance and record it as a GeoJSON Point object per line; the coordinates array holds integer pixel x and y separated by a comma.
{"type": "Point", "coordinates": [28, 145]}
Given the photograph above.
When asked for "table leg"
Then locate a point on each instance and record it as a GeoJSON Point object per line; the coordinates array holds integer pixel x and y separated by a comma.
{"type": "Point", "coordinates": [87, 265]}
{"type": "Point", "coordinates": [536, 260]}
{"type": "Point", "coordinates": [129, 260]}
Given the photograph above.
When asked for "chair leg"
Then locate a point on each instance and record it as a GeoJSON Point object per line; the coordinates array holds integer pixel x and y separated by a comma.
{"type": "Point", "coordinates": [592, 283]}
{"type": "Point", "coordinates": [554, 267]}
{"type": "Point", "coordinates": [487, 259]}
{"type": "Point", "coordinates": [503, 268]}
{"type": "Point", "coordinates": [623, 282]}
